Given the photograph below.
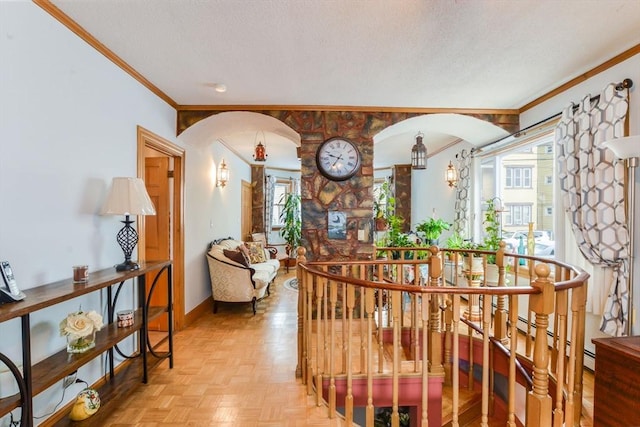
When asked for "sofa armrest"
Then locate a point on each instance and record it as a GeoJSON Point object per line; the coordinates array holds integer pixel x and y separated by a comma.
{"type": "Point", "coordinates": [272, 251]}
{"type": "Point", "coordinates": [232, 283]}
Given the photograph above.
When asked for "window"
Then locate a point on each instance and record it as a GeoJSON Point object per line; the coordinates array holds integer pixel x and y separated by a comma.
{"type": "Point", "coordinates": [518, 176]}
{"type": "Point", "coordinates": [523, 178]}
{"type": "Point", "coordinates": [377, 189]}
{"type": "Point", "coordinates": [518, 214]}
{"type": "Point", "coordinates": [282, 188]}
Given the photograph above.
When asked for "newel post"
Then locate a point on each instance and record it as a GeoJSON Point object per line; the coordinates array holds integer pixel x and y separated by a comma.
{"type": "Point", "coordinates": [539, 403]}
{"type": "Point", "coordinates": [435, 332]}
{"type": "Point", "coordinates": [301, 295]}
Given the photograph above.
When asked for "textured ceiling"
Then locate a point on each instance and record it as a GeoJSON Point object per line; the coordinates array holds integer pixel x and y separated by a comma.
{"type": "Point", "coordinates": [435, 54]}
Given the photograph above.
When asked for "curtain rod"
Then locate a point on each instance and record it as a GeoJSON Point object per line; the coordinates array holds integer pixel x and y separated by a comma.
{"type": "Point", "coordinates": [625, 84]}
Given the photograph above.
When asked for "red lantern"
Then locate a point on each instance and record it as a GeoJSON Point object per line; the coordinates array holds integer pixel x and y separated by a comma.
{"type": "Point", "coordinates": [260, 154]}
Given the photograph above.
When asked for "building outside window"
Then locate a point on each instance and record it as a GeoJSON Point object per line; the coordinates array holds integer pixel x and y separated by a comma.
{"type": "Point", "coordinates": [518, 214]}
{"type": "Point", "coordinates": [518, 176]}
{"type": "Point", "coordinates": [522, 178]}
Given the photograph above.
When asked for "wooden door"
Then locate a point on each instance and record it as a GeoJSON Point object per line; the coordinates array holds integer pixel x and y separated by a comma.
{"type": "Point", "coordinates": [247, 207]}
{"type": "Point", "coordinates": [157, 230]}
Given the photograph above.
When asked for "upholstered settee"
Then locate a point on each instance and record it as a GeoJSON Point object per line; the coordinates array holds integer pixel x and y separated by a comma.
{"type": "Point", "coordinates": [240, 272]}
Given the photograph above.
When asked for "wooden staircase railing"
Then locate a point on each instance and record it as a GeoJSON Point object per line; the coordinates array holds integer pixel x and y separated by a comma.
{"type": "Point", "coordinates": [366, 327]}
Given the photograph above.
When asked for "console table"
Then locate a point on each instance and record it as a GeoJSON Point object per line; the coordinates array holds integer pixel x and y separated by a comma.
{"type": "Point", "coordinates": [38, 377]}
{"type": "Point", "coordinates": [617, 382]}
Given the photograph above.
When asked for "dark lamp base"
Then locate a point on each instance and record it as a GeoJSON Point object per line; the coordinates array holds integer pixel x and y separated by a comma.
{"type": "Point", "coordinates": [127, 266]}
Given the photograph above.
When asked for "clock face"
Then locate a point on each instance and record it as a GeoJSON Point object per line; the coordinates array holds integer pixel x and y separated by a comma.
{"type": "Point", "coordinates": [338, 159]}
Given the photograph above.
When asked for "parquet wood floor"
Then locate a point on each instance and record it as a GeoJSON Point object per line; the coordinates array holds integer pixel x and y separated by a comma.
{"type": "Point", "coordinates": [231, 369]}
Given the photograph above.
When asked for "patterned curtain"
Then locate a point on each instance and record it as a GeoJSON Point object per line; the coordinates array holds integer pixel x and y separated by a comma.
{"type": "Point", "coordinates": [270, 185]}
{"type": "Point", "coordinates": [461, 220]}
{"type": "Point", "coordinates": [592, 187]}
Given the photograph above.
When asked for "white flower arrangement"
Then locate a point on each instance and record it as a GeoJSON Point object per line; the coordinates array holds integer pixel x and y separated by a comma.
{"type": "Point", "coordinates": [80, 324]}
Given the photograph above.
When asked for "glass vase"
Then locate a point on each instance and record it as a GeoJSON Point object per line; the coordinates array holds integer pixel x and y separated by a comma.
{"type": "Point", "coordinates": [82, 344]}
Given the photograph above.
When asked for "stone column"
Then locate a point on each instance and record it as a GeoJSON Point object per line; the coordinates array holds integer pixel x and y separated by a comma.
{"type": "Point", "coordinates": [257, 199]}
{"type": "Point", "coordinates": [402, 192]}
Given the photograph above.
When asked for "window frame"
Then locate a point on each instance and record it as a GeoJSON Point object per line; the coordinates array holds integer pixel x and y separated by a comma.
{"type": "Point", "coordinates": [518, 176]}
{"type": "Point", "coordinates": [276, 207]}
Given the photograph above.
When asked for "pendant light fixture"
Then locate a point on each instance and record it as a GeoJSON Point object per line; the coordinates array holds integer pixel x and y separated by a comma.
{"type": "Point", "coordinates": [260, 147]}
{"type": "Point", "coordinates": [419, 154]}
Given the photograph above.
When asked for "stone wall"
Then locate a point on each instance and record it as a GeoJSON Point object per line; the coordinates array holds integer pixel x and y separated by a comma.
{"type": "Point", "coordinates": [257, 198]}
{"type": "Point", "coordinates": [401, 184]}
{"type": "Point", "coordinates": [354, 197]}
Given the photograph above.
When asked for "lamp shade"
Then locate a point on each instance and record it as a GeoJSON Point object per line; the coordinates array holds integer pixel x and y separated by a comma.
{"type": "Point", "coordinates": [624, 148]}
{"type": "Point", "coordinates": [128, 196]}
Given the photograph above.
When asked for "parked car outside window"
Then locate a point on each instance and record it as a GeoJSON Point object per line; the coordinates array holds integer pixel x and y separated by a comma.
{"type": "Point", "coordinates": [545, 246]}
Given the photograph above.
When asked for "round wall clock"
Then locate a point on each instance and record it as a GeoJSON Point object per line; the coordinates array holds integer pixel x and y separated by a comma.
{"type": "Point", "coordinates": [338, 159]}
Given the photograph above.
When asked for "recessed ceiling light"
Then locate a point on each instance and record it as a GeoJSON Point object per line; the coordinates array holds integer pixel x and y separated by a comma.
{"type": "Point", "coordinates": [220, 87]}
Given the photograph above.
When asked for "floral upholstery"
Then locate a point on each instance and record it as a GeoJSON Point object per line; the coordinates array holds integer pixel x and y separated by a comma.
{"type": "Point", "coordinates": [233, 282]}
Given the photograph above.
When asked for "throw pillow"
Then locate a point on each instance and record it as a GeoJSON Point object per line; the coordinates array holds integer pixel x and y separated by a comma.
{"type": "Point", "coordinates": [256, 252]}
{"type": "Point", "coordinates": [245, 253]}
{"type": "Point", "coordinates": [242, 248]}
{"type": "Point", "coordinates": [236, 256]}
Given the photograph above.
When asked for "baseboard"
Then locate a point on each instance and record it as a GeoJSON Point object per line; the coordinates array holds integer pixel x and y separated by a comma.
{"type": "Point", "coordinates": [201, 309]}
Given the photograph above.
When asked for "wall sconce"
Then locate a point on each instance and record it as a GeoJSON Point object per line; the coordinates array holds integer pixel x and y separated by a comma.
{"type": "Point", "coordinates": [419, 154]}
{"type": "Point", "coordinates": [260, 148]}
{"type": "Point", "coordinates": [451, 175]}
{"type": "Point", "coordinates": [223, 174]}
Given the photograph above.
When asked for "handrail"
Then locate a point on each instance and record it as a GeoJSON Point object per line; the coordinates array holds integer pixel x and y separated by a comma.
{"type": "Point", "coordinates": [363, 321]}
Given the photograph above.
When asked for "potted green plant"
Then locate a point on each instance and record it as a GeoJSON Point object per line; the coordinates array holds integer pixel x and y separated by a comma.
{"type": "Point", "coordinates": [290, 217]}
{"type": "Point", "coordinates": [396, 238]}
{"type": "Point", "coordinates": [432, 228]}
{"type": "Point", "coordinates": [491, 241]}
{"type": "Point", "coordinates": [474, 266]}
{"type": "Point", "coordinates": [491, 223]}
{"type": "Point", "coordinates": [384, 206]}
{"type": "Point", "coordinates": [455, 241]}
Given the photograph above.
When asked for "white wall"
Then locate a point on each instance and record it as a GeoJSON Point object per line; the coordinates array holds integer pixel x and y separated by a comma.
{"type": "Point", "coordinates": [68, 120]}
{"type": "Point", "coordinates": [210, 212]}
{"type": "Point", "coordinates": [431, 192]}
{"type": "Point", "coordinates": [593, 86]}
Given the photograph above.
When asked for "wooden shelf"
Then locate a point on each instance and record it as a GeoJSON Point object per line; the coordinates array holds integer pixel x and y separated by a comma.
{"type": "Point", "coordinates": [63, 290]}
{"type": "Point", "coordinates": [122, 385]}
{"type": "Point", "coordinates": [9, 403]}
{"type": "Point", "coordinates": [57, 366]}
